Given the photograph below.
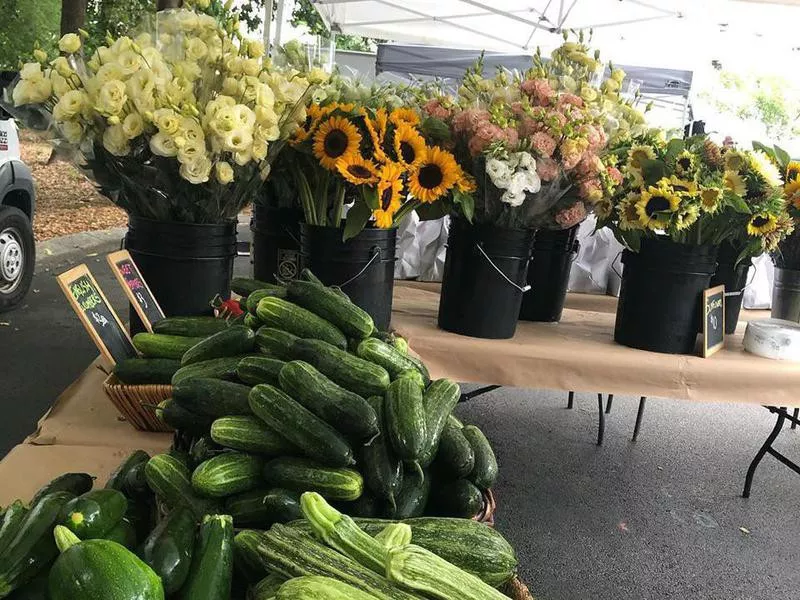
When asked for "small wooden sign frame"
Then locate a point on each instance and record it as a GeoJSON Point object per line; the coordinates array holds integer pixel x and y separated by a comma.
{"type": "Point", "coordinates": [713, 320]}
{"type": "Point", "coordinates": [122, 257]}
{"type": "Point", "coordinates": [65, 280]}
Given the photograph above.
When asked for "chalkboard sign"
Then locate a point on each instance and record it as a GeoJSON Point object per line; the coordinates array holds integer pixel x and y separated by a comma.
{"type": "Point", "coordinates": [713, 320]}
{"type": "Point", "coordinates": [96, 314]}
{"type": "Point", "coordinates": [136, 288]}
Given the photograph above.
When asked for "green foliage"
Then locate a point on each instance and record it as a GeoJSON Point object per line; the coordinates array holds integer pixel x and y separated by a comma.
{"type": "Point", "coordinates": [118, 17]}
{"type": "Point", "coordinates": [22, 24]}
{"type": "Point", "coordinates": [304, 13]}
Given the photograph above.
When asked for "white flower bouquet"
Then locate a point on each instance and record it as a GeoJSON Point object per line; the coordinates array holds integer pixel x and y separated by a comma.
{"type": "Point", "coordinates": [178, 124]}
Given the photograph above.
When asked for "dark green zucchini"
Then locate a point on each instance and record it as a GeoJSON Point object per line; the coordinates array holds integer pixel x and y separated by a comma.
{"type": "Point", "coordinates": [95, 513]}
{"type": "Point", "coordinates": [261, 508]}
{"type": "Point", "coordinates": [135, 481]}
{"type": "Point", "coordinates": [12, 521]}
{"type": "Point", "coordinates": [124, 533]}
{"type": "Point", "coordinates": [459, 498]}
{"type": "Point", "coordinates": [381, 468]}
{"type": "Point", "coordinates": [169, 547]}
{"type": "Point", "coordinates": [117, 479]}
{"type": "Point", "coordinates": [313, 436]}
{"type": "Point", "coordinates": [211, 572]}
{"type": "Point", "coordinates": [74, 483]}
{"type": "Point", "coordinates": [455, 457]}
{"type": "Point", "coordinates": [212, 397]}
{"type": "Point", "coordinates": [413, 497]}
{"type": "Point", "coordinates": [484, 473]}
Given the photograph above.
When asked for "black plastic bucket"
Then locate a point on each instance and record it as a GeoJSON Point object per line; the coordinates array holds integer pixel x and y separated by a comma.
{"type": "Point", "coordinates": [484, 275]}
{"type": "Point", "coordinates": [548, 274]}
{"type": "Point", "coordinates": [185, 264]}
{"type": "Point", "coordinates": [661, 295]}
{"type": "Point", "coordinates": [786, 295]}
{"type": "Point", "coordinates": [276, 243]}
{"type": "Point", "coordinates": [362, 266]}
{"type": "Point", "coordinates": [734, 277]}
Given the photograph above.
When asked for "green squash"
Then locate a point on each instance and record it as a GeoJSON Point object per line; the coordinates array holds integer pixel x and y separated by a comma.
{"type": "Point", "coordinates": [100, 570]}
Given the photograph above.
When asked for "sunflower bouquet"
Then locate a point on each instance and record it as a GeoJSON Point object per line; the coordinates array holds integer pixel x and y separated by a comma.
{"type": "Point", "coordinates": [695, 192]}
{"type": "Point", "coordinates": [178, 124]}
{"type": "Point", "coordinates": [376, 162]}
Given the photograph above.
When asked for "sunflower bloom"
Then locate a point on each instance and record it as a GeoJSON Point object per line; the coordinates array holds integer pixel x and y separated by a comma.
{"type": "Point", "coordinates": [376, 135]}
{"type": "Point", "coordinates": [356, 169]}
{"type": "Point", "coordinates": [791, 188]}
{"type": "Point", "coordinates": [734, 183]}
{"type": "Point", "coordinates": [766, 169]}
{"type": "Point", "coordinates": [734, 160]}
{"type": "Point", "coordinates": [683, 186]}
{"type": "Point", "coordinates": [686, 217]}
{"type": "Point", "coordinates": [761, 224]}
{"type": "Point", "coordinates": [404, 115]}
{"type": "Point", "coordinates": [335, 138]}
{"type": "Point", "coordinates": [409, 146]}
{"type": "Point", "coordinates": [792, 171]}
{"type": "Point", "coordinates": [435, 175]}
{"type": "Point", "coordinates": [655, 207]}
{"type": "Point", "coordinates": [640, 154]}
{"type": "Point", "coordinates": [709, 199]}
{"type": "Point", "coordinates": [684, 164]}
{"type": "Point", "coordinates": [628, 215]}
{"type": "Point", "coordinates": [390, 189]}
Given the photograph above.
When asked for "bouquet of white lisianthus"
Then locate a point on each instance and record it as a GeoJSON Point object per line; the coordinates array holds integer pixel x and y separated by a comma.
{"type": "Point", "coordinates": [178, 124]}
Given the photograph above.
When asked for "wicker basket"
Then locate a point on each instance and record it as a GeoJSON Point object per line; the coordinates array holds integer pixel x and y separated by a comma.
{"type": "Point", "coordinates": [137, 402]}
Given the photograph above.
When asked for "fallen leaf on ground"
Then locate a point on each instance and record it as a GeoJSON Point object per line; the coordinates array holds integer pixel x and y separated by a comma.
{"type": "Point", "coordinates": [744, 530]}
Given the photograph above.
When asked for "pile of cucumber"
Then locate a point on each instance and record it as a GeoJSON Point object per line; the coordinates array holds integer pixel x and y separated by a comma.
{"type": "Point", "coordinates": [147, 536]}
{"type": "Point", "coordinates": [303, 394]}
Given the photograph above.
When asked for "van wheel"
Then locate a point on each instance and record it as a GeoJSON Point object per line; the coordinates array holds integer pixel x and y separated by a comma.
{"type": "Point", "coordinates": [17, 256]}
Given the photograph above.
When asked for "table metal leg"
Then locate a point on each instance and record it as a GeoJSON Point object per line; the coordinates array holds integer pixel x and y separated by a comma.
{"type": "Point", "coordinates": [795, 414]}
{"type": "Point", "coordinates": [601, 422]}
{"type": "Point", "coordinates": [639, 414]}
{"type": "Point", "coordinates": [767, 447]}
{"type": "Point", "coordinates": [479, 392]}
{"type": "Point", "coordinates": [608, 403]}
{"type": "Point", "coordinates": [570, 399]}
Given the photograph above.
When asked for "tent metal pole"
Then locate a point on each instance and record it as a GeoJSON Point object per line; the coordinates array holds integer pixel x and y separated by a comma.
{"type": "Point", "coordinates": [563, 19]}
{"type": "Point", "coordinates": [537, 26]}
{"type": "Point", "coordinates": [666, 11]}
{"type": "Point", "coordinates": [560, 11]}
{"type": "Point", "coordinates": [268, 4]}
{"type": "Point", "coordinates": [279, 23]}
{"type": "Point", "coordinates": [502, 13]}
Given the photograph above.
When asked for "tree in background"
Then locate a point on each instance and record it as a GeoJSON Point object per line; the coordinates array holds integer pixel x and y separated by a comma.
{"type": "Point", "coordinates": [771, 100]}
{"type": "Point", "coordinates": [22, 23]}
{"type": "Point", "coordinates": [116, 17]}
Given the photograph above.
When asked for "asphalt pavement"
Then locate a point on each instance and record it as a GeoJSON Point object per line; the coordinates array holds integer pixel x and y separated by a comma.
{"type": "Point", "coordinates": [661, 518]}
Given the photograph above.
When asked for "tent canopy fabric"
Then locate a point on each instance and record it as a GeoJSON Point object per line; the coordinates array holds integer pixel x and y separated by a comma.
{"type": "Point", "coordinates": [450, 63]}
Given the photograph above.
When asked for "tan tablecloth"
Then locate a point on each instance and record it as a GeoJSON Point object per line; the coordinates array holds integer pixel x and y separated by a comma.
{"type": "Point", "coordinates": [579, 354]}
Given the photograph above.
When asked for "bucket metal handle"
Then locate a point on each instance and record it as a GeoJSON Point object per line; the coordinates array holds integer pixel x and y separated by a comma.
{"type": "Point", "coordinates": [576, 249]}
{"type": "Point", "coordinates": [376, 253]}
{"type": "Point", "coordinates": [613, 268]}
{"type": "Point", "coordinates": [746, 285]}
{"type": "Point", "coordinates": [503, 275]}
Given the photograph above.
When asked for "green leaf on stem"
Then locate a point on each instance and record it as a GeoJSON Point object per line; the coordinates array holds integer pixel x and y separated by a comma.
{"type": "Point", "coordinates": [783, 158]}
{"type": "Point", "coordinates": [357, 218]}
{"type": "Point", "coordinates": [431, 212]}
{"type": "Point", "coordinates": [653, 171]}
{"type": "Point", "coordinates": [737, 203]}
{"type": "Point", "coordinates": [766, 150]}
{"type": "Point", "coordinates": [466, 202]}
{"type": "Point", "coordinates": [436, 129]}
{"type": "Point", "coordinates": [674, 147]}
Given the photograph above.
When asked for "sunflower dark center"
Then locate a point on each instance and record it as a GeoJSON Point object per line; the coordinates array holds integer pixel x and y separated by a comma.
{"type": "Point", "coordinates": [759, 221]}
{"type": "Point", "coordinates": [430, 176]}
{"type": "Point", "coordinates": [685, 163]}
{"type": "Point", "coordinates": [680, 188]}
{"type": "Point", "coordinates": [359, 171]}
{"type": "Point", "coordinates": [792, 175]}
{"type": "Point", "coordinates": [335, 143]}
{"type": "Point", "coordinates": [656, 204]}
{"type": "Point", "coordinates": [407, 152]}
{"type": "Point", "coordinates": [386, 198]}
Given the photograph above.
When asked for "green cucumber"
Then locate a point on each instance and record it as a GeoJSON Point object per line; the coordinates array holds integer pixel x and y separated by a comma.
{"type": "Point", "coordinates": [484, 473]}
{"type": "Point", "coordinates": [405, 419]}
{"type": "Point", "coordinates": [190, 326]}
{"type": "Point", "coordinates": [211, 573]}
{"type": "Point", "coordinates": [266, 588]}
{"type": "Point", "coordinates": [258, 295]}
{"type": "Point", "coordinates": [161, 345]}
{"type": "Point", "coordinates": [99, 569]}
{"type": "Point", "coordinates": [307, 274]}
{"type": "Point", "coordinates": [252, 322]}
{"type": "Point", "coordinates": [302, 475]}
{"type": "Point", "coordinates": [313, 436]}
{"type": "Point", "coordinates": [227, 474]}
{"type": "Point", "coordinates": [11, 523]}
{"type": "Point", "coordinates": [259, 369]}
{"type": "Point", "coordinates": [203, 448]}
{"type": "Point", "coordinates": [95, 513]}
{"type": "Point", "coordinates": [116, 480]}
{"type": "Point", "coordinates": [135, 481]}
{"type": "Point", "coordinates": [169, 547]}
{"type": "Point", "coordinates": [344, 410]}
{"type": "Point", "coordinates": [382, 470]}
{"type": "Point", "coordinates": [216, 368]}
{"type": "Point", "coordinates": [413, 496]}
{"type": "Point", "coordinates": [459, 498]}
{"type": "Point", "coordinates": [455, 457]}
{"type": "Point", "coordinates": [282, 314]}
{"type": "Point", "coordinates": [351, 372]}
{"type": "Point", "coordinates": [390, 358]}
{"type": "Point", "coordinates": [244, 286]}
{"type": "Point", "coordinates": [33, 548]}
{"type": "Point", "coordinates": [250, 434]}
{"type": "Point", "coordinates": [455, 421]}
{"type": "Point", "coordinates": [233, 341]}
{"type": "Point", "coordinates": [177, 417]}
{"type": "Point", "coordinates": [124, 533]}
{"type": "Point", "coordinates": [34, 590]}
{"type": "Point", "coordinates": [439, 401]}
{"type": "Point", "coordinates": [415, 376]}
{"type": "Point", "coordinates": [212, 397]}
{"type": "Point", "coordinates": [351, 320]}
{"type": "Point", "coordinates": [171, 481]}
{"type": "Point", "coordinates": [146, 371]}
{"type": "Point", "coordinates": [262, 507]}
{"type": "Point", "coordinates": [276, 342]}
{"type": "Point", "coordinates": [320, 588]}
{"type": "Point", "coordinates": [366, 505]}
{"type": "Point", "coordinates": [74, 483]}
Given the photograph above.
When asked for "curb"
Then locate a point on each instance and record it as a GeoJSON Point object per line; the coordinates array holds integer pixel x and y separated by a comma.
{"type": "Point", "coordinates": [87, 240]}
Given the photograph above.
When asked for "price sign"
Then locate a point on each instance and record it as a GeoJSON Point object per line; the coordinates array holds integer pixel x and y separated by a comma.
{"type": "Point", "coordinates": [713, 320]}
{"type": "Point", "coordinates": [96, 314]}
{"type": "Point", "coordinates": [135, 287]}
